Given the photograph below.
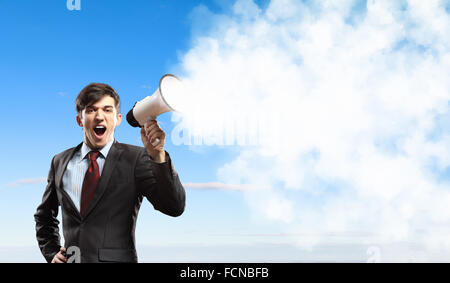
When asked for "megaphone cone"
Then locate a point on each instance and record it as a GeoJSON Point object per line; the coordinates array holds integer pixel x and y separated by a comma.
{"type": "Point", "coordinates": [152, 106]}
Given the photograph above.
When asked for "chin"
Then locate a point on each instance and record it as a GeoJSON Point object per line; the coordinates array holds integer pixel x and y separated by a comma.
{"type": "Point", "coordinates": [96, 144]}
{"type": "Point", "coordinates": [99, 143]}
{"type": "Point", "coordinates": [102, 143]}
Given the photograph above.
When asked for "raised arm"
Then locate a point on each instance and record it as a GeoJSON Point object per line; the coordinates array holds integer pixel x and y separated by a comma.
{"type": "Point", "coordinates": [160, 184]}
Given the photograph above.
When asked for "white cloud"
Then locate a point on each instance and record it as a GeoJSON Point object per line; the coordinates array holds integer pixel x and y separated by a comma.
{"type": "Point", "coordinates": [27, 181]}
{"type": "Point", "coordinates": [349, 135]}
{"type": "Point", "coordinates": [219, 186]}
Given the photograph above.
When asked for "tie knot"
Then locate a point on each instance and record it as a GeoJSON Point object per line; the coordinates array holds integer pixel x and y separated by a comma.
{"type": "Point", "coordinates": [93, 155]}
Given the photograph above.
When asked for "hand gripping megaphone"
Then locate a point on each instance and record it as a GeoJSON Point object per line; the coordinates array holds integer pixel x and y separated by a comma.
{"type": "Point", "coordinates": [150, 107]}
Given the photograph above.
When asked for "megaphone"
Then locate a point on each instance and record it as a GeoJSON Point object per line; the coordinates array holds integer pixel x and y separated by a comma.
{"type": "Point", "coordinates": [152, 106]}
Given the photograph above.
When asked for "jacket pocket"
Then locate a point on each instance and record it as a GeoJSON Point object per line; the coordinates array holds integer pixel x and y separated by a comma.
{"type": "Point", "coordinates": [117, 255]}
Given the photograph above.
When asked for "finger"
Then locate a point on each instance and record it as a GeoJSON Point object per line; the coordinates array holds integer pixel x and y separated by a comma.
{"type": "Point", "coordinates": [154, 131]}
{"type": "Point", "coordinates": [62, 249]}
{"type": "Point", "coordinates": [144, 135]}
{"type": "Point", "coordinates": [151, 127]}
{"type": "Point", "coordinates": [59, 256]}
{"type": "Point", "coordinates": [158, 144]}
{"type": "Point", "coordinates": [57, 260]}
{"type": "Point", "coordinates": [150, 123]}
{"type": "Point", "coordinates": [155, 143]}
{"type": "Point", "coordinates": [157, 135]}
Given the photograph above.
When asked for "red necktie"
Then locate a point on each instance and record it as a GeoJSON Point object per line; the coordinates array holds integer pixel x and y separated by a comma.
{"type": "Point", "coordinates": [90, 182]}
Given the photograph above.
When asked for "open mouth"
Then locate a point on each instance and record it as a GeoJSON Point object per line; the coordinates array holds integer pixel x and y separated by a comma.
{"type": "Point", "coordinates": [100, 130]}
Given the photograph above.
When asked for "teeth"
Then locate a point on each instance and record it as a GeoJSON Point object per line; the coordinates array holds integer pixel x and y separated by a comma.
{"type": "Point", "coordinates": [100, 127]}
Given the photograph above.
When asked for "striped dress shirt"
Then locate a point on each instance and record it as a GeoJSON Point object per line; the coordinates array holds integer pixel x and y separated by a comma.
{"type": "Point", "coordinates": [76, 169]}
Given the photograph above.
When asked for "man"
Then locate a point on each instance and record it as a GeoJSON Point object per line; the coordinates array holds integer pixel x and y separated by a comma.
{"type": "Point", "coordinates": [100, 185]}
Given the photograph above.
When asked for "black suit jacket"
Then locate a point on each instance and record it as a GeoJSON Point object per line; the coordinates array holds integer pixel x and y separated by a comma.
{"type": "Point", "coordinates": [106, 233]}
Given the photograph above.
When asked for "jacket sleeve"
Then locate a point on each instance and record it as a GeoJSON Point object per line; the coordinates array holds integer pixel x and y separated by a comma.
{"type": "Point", "coordinates": [47, 229]}
{"type": "Point", "coordinates": [160, 184]}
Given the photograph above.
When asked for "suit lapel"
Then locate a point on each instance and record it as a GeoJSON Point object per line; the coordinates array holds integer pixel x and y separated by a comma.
{"type": "Point", "coordinates": [110, 164]}
{"type": "Point", "coordinates": [60, 173]}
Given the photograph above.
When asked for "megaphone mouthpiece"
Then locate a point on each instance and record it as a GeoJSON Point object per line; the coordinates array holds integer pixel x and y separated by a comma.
{"type": "Point", "coordinates": [131, 120]}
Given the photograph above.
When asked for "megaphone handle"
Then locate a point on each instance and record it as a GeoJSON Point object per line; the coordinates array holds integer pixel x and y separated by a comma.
{"type": "Point", "coordinates": [156, 141]}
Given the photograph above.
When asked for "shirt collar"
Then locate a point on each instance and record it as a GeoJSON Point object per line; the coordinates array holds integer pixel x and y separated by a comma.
{"type": "Point", "coordinates": [85, 149]}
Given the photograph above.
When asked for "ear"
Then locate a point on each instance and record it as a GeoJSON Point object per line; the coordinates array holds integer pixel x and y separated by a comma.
{"type": "Point", "coordinates": [117, 120]}
{"type": "Point", "coordinates": [79, 121]}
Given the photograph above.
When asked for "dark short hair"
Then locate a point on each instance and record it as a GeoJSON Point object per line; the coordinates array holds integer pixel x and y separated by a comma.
{"type": "Point", "coordinates": [92, 93]}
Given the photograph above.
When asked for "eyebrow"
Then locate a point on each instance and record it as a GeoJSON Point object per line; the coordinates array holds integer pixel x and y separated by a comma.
{"type": "Point", "coordinates": [94, 107]}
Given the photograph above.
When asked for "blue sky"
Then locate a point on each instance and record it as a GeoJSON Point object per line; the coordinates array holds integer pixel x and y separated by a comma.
{"type": "Point", "coordinates": [352, 96]}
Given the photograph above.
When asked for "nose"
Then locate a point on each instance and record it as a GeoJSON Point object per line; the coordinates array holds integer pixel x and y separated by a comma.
{"type": "Point", "coordinates": [99, 115]}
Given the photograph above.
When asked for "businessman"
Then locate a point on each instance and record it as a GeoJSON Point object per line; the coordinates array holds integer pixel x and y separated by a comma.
{"type": "Point", "coordinates": [100, 185]}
